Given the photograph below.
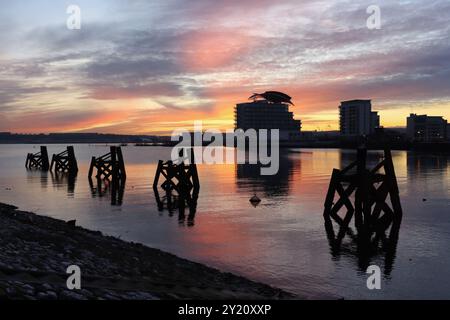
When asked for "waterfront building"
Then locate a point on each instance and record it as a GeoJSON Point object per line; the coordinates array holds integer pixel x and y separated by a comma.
{"type": "Point", "coordinates": [424, 128]}
{"type": "Point", "coordinates": [357, 118]}
{"type": "Point", "coordinates": [266, 113]}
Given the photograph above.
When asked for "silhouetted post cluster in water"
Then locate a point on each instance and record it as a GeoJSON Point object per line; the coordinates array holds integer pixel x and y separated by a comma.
{"type": "Point", "coordinates": [182, 179]}
{"type": "Point", "coordinates": [181, 183]}
{"type": "Point", "coordinates": [110, 166]}
{"type": "Point", "coordinates": [369, 189]}
{"type": "Point", "coordinates": [38, 160]}
{"type": "Point", "coordinates": [65, 162]}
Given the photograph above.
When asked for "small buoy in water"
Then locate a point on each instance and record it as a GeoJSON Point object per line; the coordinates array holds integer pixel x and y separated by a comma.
{"type": "Point", "coordinates": [255, 200]}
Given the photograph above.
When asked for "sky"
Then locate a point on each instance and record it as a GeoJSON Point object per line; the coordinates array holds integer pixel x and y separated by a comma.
{"type": "Point", "coordinates": [149, 67]}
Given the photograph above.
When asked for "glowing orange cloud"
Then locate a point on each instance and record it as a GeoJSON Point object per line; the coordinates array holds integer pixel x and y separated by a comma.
{"type": "Point", "coordinates": [206, 50]}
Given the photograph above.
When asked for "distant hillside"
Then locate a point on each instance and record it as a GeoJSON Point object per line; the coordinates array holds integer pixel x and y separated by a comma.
{"type": "Point", "coordinates": [9, 138]}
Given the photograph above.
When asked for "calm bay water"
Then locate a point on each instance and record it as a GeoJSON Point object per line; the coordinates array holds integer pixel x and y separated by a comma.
{"type": "Point", "coordinates": [281, 242]}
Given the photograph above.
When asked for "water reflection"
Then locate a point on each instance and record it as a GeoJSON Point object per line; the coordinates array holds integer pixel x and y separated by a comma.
{"type": "Point", "coordinates": [420, 165]}
{"type": "Point", "coordinates": [64, 179]}
{"type": "Point", "coordinates": [249, 175]}
{"type": "Point", "coordinates": [171, 202]}
{"type": "Point", "coordinates": [346, 157]}
{"type": "Point", "coordinates": [58, 180]}
{"type": "Point", "coordinates": [104, 187]}
{"type": "Point", "coordinates": [35, 175]}
{"type": "Point", "coordinates": [363, 248]}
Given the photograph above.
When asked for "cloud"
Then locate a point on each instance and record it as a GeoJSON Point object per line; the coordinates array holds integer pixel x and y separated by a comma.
{"type": "Point", "coordinates": [12, 92]}
{"type": "Point", "coordinates": [133, 92]}
{"type": "Point", "coordinates": [201, 58]}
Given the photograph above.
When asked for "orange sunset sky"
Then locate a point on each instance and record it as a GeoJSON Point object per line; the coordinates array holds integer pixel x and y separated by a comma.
{"type": "Point", "coordinates": [148, 67]}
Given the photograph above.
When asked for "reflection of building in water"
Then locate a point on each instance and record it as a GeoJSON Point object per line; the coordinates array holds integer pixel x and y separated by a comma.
{"type": "Point", "coordinates": [105, 187]}
{"type": "Point", "coordinates": [346, 157]}
{"type": "Point", "coordinates": [420, 165]}
{"type": "Point", "coordinates": [249, 176]}
{"type": "Point", "coordinates": [431, 170]}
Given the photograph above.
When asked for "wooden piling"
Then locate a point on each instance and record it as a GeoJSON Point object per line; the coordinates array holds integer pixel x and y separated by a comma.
{"type": "Point", "coordinates": [38, 160]}
{"type": "Point", "coordinates": [65, 162]}
{"type": "Point", "coordinates": [181, 185]}
{"type": "Point", "coordinates": [369, 201]}
{"type": "Point", "coordinates": [110, 170]}
{"type": "Point", "coordinates": [110, 165]}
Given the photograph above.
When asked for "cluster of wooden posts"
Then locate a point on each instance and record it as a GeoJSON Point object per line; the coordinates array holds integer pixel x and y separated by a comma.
{"type": "Point", "coordinates": [38, 160]}
{"type": "Point", "coordinates": [180, 181]}
{"type": "Point", "coordinates": [371, 195]}
{"type": "Point", "coordinates": [64, 162]}
{"type": "Point", "coordinates": [181, 186]}
{"type": "Point", "coordinates": [110, 175]}
{"type": "Point", "coordinates": [109, 169]}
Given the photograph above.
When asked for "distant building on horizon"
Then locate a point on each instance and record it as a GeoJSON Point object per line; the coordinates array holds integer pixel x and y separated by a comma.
{"type": "Point", "coordinates": [356, 118]}
{"type": "Point", "coordinates": [264, 114]}
{"type": "Point", "coordinates": [424, 128]}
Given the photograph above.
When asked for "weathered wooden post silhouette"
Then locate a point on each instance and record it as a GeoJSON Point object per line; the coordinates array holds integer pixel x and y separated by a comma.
{"type": "Point", "coordinates": [181, 185]}
{"type": "Point", "coordinates": [38, 160]}
{"type": "Point", "coordinates": [179, 177]}
{"type": "Point", "coordinates": [369, 189]}
{"type": "Point", "coordinates": [65, 162]}
{"type": "Point", "coordinates": [110, 166]}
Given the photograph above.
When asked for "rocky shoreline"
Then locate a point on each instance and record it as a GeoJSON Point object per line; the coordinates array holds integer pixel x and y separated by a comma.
{"type": "Point", "coordinates": [35, 252]}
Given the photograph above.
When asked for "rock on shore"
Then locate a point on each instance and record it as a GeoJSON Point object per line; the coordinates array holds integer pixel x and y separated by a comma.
{"type": "Point", "coordinates": [35, 252]}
